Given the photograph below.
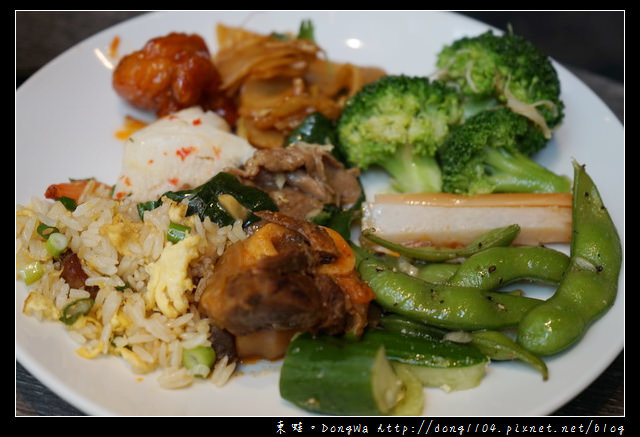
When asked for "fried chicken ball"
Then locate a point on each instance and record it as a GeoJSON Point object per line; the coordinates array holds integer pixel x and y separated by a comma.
{"type": "Point", "coordinates": [169, 73]}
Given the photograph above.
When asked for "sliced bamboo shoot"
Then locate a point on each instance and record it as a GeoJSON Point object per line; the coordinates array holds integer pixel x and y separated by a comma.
{"type": "Point", "coordinates": [443, 219]}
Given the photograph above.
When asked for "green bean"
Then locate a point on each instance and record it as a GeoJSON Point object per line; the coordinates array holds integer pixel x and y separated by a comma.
{"type": "Point", "coordinates": [496, 237]}
{"type": "Point", "coordinates": [497, 266]}
{"type": "Point", "coordinates": [442, 305]}
{"type": "Point", "coordinates": [590, 284]}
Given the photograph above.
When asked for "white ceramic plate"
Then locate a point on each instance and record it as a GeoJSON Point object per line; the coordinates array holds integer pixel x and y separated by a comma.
{"type": "Point", "coordinates": [66, 117]}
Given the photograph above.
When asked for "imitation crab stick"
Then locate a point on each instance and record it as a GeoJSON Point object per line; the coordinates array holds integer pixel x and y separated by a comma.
{"type": "Point", "coordinates": [443, 219]}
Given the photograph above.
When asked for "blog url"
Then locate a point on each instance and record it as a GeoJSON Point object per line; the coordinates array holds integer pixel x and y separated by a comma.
{"type": "Point", "coordinates": [448, 427]}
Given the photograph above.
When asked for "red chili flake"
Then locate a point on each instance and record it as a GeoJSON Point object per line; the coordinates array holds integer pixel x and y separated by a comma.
{"type": "Point", "coordinates": [196, 122]}
{"type": "Point", "coordinates": [183, 152]}
{"type": "Point", "coordinates": [173, 181]}
{"type": "Point", "coordinates": [120, 195]}
{"type": "Point", "coordinates": [127, 181]}
{"type": "Point", "coordinates": [216, 152]}
{"type": "Point", "coordinates": [150, 161]}
{"type": "Point", "coordinates": [172, 117]}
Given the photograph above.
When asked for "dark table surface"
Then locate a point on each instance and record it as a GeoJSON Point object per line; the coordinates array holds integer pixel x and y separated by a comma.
{"type": "Point", "coordinates": [39, 39]}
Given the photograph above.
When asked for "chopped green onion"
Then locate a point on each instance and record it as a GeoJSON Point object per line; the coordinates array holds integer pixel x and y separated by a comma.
{"type": "Point", "coordinates": [122, 287]}
{"type": "Point", "coordinates": [45, 230]}
{"type": "Point", "coordinates": [56, 243]}
{"type": "Point", "coordinates": [31, 272]}
{"type": "Point", "coordinates": [75, 309]}
{"type": "Point", "coordinates": [177, 232]}
{"type": "Point", "coordinates": [198, 360]}
{"type": "Point", "coordinates": [68, 203]}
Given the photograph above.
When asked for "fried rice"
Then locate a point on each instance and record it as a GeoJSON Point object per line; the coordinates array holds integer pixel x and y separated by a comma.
{"type": "Point", "coordinates": [117, 251]}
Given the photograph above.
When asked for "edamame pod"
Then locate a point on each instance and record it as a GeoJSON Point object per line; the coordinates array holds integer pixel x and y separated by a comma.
{"type": "Point", "coordinates": [444, 306]}
{"type": "Point", "coordinates": [498, 266]}
{"type": "Point", "coordinates": [500, 347]}
{"type": "Point", "coordinates": [494, 344]}
{"type": "Point", "coordinates": [589, 286]}
{"type": "Point", "coordinates": [397, 323]}
{"type": "Point", "coordinates": [438, 273]}
{"type": "Point", "coordinates": [503, 236]}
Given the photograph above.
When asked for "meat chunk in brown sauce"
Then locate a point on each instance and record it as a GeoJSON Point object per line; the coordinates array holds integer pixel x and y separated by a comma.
{"type": "Point", "coordinates": [73, 273]}
{"type": "Point", "coordinates": [279, 279]}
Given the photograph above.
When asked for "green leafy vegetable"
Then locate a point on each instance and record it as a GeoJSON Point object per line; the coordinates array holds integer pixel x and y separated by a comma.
{"type": "Point", "coordinates": [147, 206]}
{"type": "Point", "coordinates": [317, 128]}
{"type": "Point", "coordinates": [341, 220]}
{"type": "Point", "coordinates": [204, 199]}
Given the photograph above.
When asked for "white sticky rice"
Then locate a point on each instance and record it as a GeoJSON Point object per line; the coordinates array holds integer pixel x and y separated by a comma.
{"type": "Point", "coordinates": [122, 322]}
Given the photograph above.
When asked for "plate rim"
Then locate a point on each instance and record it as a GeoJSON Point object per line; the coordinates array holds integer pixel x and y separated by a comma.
{"type": "Point", "coordinates": [63, 391]}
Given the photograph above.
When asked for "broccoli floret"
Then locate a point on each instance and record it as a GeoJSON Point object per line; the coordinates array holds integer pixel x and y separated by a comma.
{"type": "Point", "coordinates": [398, 122]}
{"type": "Point", "coordinates": [491, 152]}
{"type": "Point", "coordinates": [507, 68]}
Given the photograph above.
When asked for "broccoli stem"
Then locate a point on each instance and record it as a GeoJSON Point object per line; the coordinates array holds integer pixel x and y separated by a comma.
{"type": "Point", "coordinates": [413, 173]}
{"type": "Point", "coordinates": [515, 172]}
{"type": "Point", "coordinates": [472, 107]}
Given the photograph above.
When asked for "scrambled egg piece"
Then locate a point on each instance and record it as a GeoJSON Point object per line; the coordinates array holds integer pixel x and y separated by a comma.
{"type": "Point", "coordinates": [85, 352]}
{"type": "Point", "coordinates": [138, 365]}
{"type": "Point", "coordinates": [83, 321]}
{"type": "Point", "coordinates": [120, 322]}
{"type": "Point", "coordinates": [177, 211]}
{"type": "Point", "coordinates": [40, 306]}
{"type": "Point", "coordinates": [122, 232]}
{"type": "Point", "coordinates": [169, 280]}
